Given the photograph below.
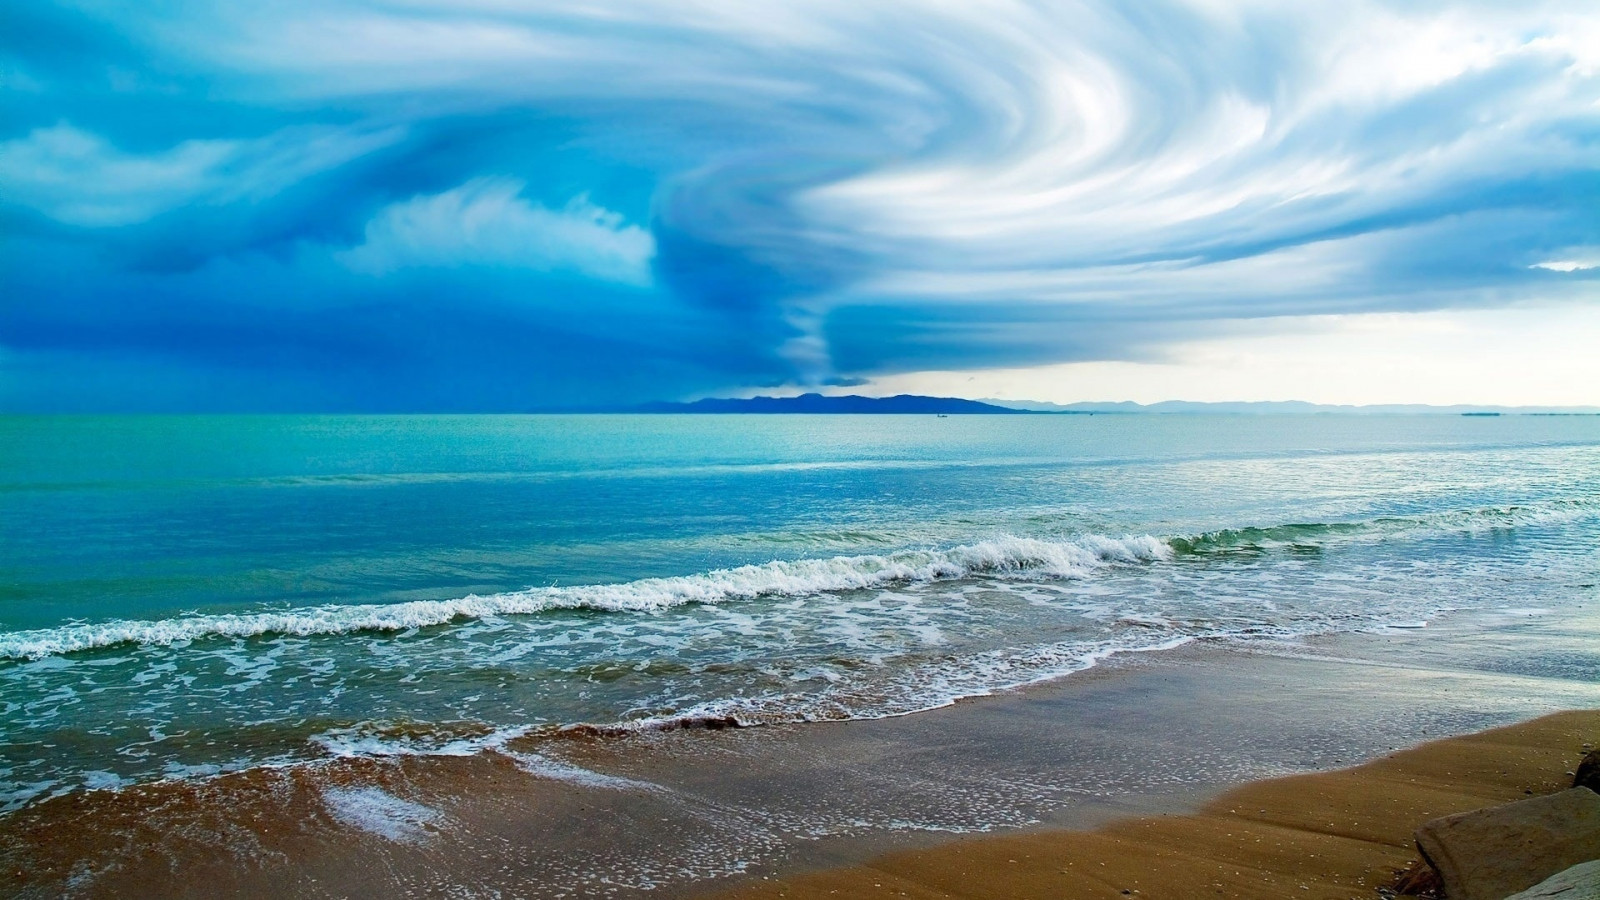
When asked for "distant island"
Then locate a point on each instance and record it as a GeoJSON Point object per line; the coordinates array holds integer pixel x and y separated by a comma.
{"type": "Point", "coordinates": [818, 403]}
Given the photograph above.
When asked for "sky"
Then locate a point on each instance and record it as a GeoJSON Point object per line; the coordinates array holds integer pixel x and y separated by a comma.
{"type": "Point", "coordinates": [486, 205]}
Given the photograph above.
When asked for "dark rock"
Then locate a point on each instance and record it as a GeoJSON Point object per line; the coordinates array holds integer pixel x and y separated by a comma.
{"type": "Point", "coordinates": [1589, 772]}
{"type": "Point", "coordinates": [1417, 880]}
{"type": "Point", "coordinates": [1493, 853]}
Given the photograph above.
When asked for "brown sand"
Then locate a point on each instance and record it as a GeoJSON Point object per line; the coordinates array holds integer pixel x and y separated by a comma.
{"type": "Point", "coordinates": [1327, 835]}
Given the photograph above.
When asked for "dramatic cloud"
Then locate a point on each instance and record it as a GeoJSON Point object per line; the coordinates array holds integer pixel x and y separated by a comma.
{"type": "Point", "coordinates": [664, 198]}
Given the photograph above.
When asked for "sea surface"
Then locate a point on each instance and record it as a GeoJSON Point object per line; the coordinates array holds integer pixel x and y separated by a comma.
{"type": "Point", "coordinates": [183, 596]}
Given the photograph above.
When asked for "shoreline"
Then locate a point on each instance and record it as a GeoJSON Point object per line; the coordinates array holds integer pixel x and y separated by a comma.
{"type": "Point", "coordinates": [1336, 834]}
{"type": "Point", "coordinates": [690, 813]}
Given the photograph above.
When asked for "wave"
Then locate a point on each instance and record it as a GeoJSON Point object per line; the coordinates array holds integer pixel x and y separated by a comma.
{"type": "Point", "coordinates": [1310, 534]}
{"type": "Point", "coordinates": [923, 688]}
{"type": "Point", "coordinates": [1005, 556]}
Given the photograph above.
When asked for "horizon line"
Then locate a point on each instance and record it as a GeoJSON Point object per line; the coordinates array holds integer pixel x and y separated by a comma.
{"type": "Point", "coordinates": [665, 407]}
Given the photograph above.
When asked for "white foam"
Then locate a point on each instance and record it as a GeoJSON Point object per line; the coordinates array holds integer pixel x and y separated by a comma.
{"type": "Point", "coordinates": [100, 780]}
{"type": "Point", "coordinates": [380, 740]}
{"type": "Point", "coordinates": [1003, 556]}
{"type": "Point", "coordinates": [541, 766]}
{"type": "Point", "coordinates": [380, 812]}
{"type": "Point", "coordinates": [920, 689]}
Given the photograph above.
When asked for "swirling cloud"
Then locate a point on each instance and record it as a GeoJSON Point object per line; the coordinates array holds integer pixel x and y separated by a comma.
{"type": "Point", "coordinates": [803, 194]}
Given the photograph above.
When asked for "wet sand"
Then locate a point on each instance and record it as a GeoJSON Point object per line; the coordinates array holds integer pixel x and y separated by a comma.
{"type": "Point", "coordinates": [1131, 747]}
{"type": "Point", "coordinates": [1329, 835]}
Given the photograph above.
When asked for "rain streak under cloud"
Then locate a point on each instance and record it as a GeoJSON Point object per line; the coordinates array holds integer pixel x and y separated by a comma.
{"type": "Point", "coordinates": [488, 205]}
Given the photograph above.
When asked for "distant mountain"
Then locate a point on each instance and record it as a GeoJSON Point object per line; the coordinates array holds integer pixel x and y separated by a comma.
{"type": "Point", "coordinates": [817, 403]}
{"type": "Point", "coordinates": [1290, 407]}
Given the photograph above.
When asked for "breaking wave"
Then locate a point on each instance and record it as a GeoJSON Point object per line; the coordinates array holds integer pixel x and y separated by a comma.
{"type": "Point", "coordinates": [1003, 557]}
{"type": "Point", "coordinates": [1007, 556]}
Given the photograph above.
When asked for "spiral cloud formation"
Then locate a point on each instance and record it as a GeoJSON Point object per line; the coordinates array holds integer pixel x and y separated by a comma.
{"type": "Point", "coordinates": [486, 204]}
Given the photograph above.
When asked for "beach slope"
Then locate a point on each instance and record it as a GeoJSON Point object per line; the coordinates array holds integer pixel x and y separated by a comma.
{"type": "Point", "coordinates": [1338, 834]}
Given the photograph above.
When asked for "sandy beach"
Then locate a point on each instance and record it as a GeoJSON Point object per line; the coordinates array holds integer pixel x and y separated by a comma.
{"type": "Point", "coordinates": [1124, 777]}
{"type": "Point", "coordinates": [1330, 835]}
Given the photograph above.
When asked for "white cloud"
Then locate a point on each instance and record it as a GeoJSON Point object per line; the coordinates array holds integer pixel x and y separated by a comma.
{"type": "Point", "coordinates": [80, 178]}
{"type": "Point", "coordinates": [486, 222]}
{"type": "Point", "coordinates": [1566, 265]}
{"type": "Point", "coordinates": [1117, 155]}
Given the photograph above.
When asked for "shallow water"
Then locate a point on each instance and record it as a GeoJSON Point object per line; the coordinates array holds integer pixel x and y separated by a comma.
{"type": "Point", "coordinates": [185, 595]}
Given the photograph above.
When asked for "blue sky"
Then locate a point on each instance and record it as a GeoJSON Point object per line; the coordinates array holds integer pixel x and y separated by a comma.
{"type": "Point", "coordinates": [489, 205]}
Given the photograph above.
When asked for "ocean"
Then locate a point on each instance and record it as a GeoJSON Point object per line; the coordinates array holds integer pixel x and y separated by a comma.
{"type": "Point", "coordinates": [183, 596]}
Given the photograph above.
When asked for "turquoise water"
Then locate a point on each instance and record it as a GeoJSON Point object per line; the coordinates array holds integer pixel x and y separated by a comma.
{"type": "Point", "coordinates": [187, 595]}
